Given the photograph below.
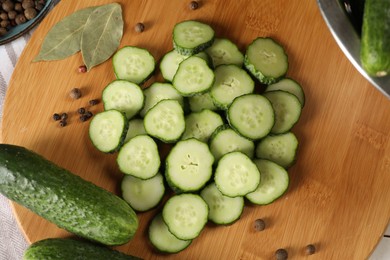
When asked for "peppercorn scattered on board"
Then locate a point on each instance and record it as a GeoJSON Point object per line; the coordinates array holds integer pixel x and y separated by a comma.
{"type": "Point", "coordinates": [344, 151]}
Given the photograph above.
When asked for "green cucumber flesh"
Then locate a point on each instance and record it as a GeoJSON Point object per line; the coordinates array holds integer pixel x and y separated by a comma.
{"type": "Point", "coordinates": [236, 175]}
{"type": "Point", "coordinates": [189, 166]}
{"type": "Point", "coordinates": [124, 96]}
{"type": "Point", "coordinates": [63, 198]}
{"type": "Point", "coordinates": [108, 130]}
{"type": "Point", "coordinates": [143, 195]}
{"type": "Point", "coordinates": [251, 115]}
{"type": "Point", "coordinates": [185, 215]}
{"type": "Point", "coordinates": [288, 85]}
{"type": "Point", "coordinates": [223, 210]}
{"type": "Point", "coordinates": [139, 157]}
{"type": "Point", "coordinates": [136, 127]}
{"type": "Point", "coordinates": [202, 101]}
{"type": "Point", "coordinates": [162, 239]}
{"type": "Point", "coordinates": [224, 51]}
{"type": "Point", "coordinates": [274, 183]}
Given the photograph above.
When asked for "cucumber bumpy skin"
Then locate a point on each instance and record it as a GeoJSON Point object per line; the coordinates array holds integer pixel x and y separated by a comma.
{"type": "Point", "coordinates": [63, 198]}
{"type": "Point", "coordinates": [59, 249]}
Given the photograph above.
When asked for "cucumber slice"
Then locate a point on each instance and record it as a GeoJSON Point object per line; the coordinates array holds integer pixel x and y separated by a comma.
{"type": "Point", "coordinates": [236, 175]}
{"type": "Point", "coordinates": [136, 127]}
{"type": "Point", "coordinates": [280, 149]}
{"type": "Point", "coordinates": [123, 96]}
{"type": "Point", "coordinates": [288, 85]}
{"type": "Point", "coordinates": [185, 215]}
{"type": "Point", "coordinates": [266, 60]}
{"type": "Point", "coordinates": [219, 145]}
{"type": "Point", "coordinates": [189, 166]}
{"type": "Point", "coordinates": [202, 101]}
{"type": "Point", "coordinates": [139, 157]}
{"type": "Point", "coordinates": [165, 121]}
{"type": "Point", "coordinates": [224, 51]}
{"type": "Point", "coordinates": [222, 209]}
{"type": "Point", "coordinates": [157, 92]}
{"type": "Point", "coordinates": [251, 115]}
{"type": "Point", "coordinates": [287, 110]}
{"type": "Point", "coordinates": [143, 195]}
{"type": "Point", "coordinates": [274, 183]}
{"type": "Point", "coordinates": [193, 77]}
{"type": "Point", "coordinates": [162, 239]}
{"type": "Point", "coordinates": [191, 37]}
{"type": "Point", "coordinates": [133, 64]}
{"type": "Point", "coordinates": [107, 130]}
{"type": "Point", "coordinates": [201, 125]}
{"type": "Point", "coordinates": [170, 63]}
{"type": "Point", "coordinates": [230, 82]}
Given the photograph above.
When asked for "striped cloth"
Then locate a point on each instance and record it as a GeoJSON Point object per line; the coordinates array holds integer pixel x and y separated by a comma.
{"type": "Point", "coordinates": [12, 242]}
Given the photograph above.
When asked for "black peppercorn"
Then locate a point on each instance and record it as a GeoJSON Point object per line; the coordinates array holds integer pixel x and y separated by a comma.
{"type": "Point", "coordinates": [89, 114]}
{"type": "Point", "coordinates": [63, 123]}
{"type": "Point", "coordinates": [310, 249]}
{"type": "Point", "coordinates": [56, 117]}
{"type": "Point", "coordinates": [139, 27]}
{"type": "Point", "coordinates": [281, 254]}
{"type": "Point", "coordinates": [83, 118]}
{"type": "Point", "coordinates": [81, 111]}
{"type": "Point", "coordinates": [75, 93]}
{"type": "Point", "coordinates": [64, 116]}
{"type": "Point", "coordinates": [93, 102]}
{"type": "Point", "coordinates": [259, 225]}
{"type": "Point", "coordinates": [193, 5]}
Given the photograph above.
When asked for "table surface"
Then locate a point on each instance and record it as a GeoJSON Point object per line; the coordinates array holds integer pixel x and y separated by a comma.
{"type": "Point", "coordinates": [326, 104]}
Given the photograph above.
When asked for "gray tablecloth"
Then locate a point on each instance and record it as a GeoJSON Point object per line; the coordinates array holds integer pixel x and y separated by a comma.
{"type": "Point", "coordinates": [12, 241]}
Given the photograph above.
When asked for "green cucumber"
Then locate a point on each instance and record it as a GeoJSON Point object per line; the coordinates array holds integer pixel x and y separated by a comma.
{"type": "Point", "coordinates": [375, 41]}
{"type": "Point", "coordinates": [62, 249]}
{"type": "Point", "coordinates": [63, 198]}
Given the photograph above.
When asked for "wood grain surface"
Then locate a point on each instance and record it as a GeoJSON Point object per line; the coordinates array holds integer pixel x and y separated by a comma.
{"type": "Point", "coordinates": [338, 197]}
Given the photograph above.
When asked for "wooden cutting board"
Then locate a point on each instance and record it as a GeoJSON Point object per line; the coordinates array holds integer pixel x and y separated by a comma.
{"type": "Point", "coordinates": [338, 198]}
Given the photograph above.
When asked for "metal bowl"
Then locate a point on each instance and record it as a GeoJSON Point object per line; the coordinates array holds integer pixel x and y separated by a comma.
{"type": "Point", "coordinates": [348, 39]}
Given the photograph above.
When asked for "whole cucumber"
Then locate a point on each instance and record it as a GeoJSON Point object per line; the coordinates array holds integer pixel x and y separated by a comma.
{"type": "Point", "coordinates": [63, 198]}
{"type": "Point", "coordinates": [63, 249]}
{"type": "Point", "coordinates": [375, 41]}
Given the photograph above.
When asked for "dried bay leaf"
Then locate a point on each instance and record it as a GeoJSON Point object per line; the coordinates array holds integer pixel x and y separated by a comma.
{"type": "Point", "coordinates": [64, 38]}
{"type": "Point", "coordinates": [102, 34]}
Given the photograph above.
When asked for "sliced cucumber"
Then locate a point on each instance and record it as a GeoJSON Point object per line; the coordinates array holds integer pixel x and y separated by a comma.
{"type": "Point", "coordinates": [107, 130]}
{"type": "Point", "coordinates": [136, 127]}
{"type": "Point", "coordinates": [201, 125]}
{"type": "Point", "coordinates": [188, 166]}
{"type": "Point", "coordinates": [143, 195]}
{"type": "Point", "coordinates": [185, 215]}
{"type": "Point", "coordinates": [162, 239]}
{"type": "Point", "coordinates": [287, 110]}
{"type": "Point", "coordinates": [202, 101]}
{"type": "Point", "coordinates": [230, 82]}
{"type": "Point", "coordinates": [219, 145]}
{"type": "Point", "coordinates": [133, 64]}
{"type": "Point", "coordinates": [274, 183]}
{"type": "Point", "coordinates": [124, 96]}
{"type": "Point", "coordinates": [251, 115]}
{"type": "Point", "coordinates": [222, 209]}
{"type": "Point", "coordinates": [139, 157]}
{"type": "Point", "coordinates": [288, 85]}
{"type": "Point", "coordinates": [236, 175]}
{"type": "Point", "coordinates": [280, 149]}
{"type": "Point", "coordinates": [266, 60]}
{"type": "Point", "coordinates": [191, 37]}
{"type": "Point", "coordinates": [170, 63]}
{"type": "Point", "coordinates": [165, 121]}
{"type": "Point", "coordinates": [157, 92]}
{"type": "Point", "coordinates": [224, 51]}
{"type": "Point", "coordinates": [193, 77]}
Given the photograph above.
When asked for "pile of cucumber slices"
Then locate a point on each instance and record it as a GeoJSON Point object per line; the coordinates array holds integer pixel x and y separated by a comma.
{"type": "Point", "coordinates": [227, 141]}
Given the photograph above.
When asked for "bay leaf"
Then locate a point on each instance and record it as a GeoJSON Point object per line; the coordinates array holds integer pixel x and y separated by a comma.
{"type": "Point", "coordinates": [64, 38]}
{"type": "Point", "coordinates": [102, 34]}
